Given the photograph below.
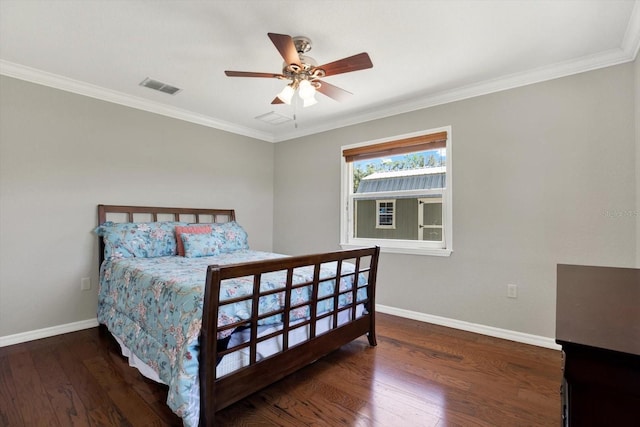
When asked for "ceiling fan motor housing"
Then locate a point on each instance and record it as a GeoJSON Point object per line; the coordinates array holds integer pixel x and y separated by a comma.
{"type": "Point", "coordinates": [302, 44]}
{"type": "Point", "coordinates": [306, 71]}
{"type": "Point", "coordinates": [307, 64]}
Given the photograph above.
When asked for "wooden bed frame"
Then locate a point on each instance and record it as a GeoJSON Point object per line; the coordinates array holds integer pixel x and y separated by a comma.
{"type": "Point", "coordinates": [217, 393]}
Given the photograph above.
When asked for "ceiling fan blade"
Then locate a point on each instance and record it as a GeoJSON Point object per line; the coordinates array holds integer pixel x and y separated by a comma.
{"type": "Point", "coordinates": [357, 62]}
{"type": "Point", "coordinates": [277, 100]}
{"type": "Point", "coordinates": [252, 74]}
{"type": "Point", "coordinates": [285, 46]}
{"type": "Point", "coordinates": [333, 91]}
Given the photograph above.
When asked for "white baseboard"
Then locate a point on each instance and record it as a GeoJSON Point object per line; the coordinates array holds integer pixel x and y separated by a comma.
{"type": "Point", "coordinates": [472, 327]}
{"type": "Point", "coordinates": [47, 332]}
{"type": "Point", "coordinates": [422, 317]}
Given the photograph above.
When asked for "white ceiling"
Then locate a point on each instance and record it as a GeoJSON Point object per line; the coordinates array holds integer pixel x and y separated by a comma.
{"type": "Point", "coordinates": [423, 52]}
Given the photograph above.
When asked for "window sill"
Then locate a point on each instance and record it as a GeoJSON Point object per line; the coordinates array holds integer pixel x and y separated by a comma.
{"type": "Point", "coordinates": [405, 250]}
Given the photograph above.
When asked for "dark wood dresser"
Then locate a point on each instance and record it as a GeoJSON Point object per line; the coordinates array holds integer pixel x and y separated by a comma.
{"type": "Point", "coordinates": [598, 327]}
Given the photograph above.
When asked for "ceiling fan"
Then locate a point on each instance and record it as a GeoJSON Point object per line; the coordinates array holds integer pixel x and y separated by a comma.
{"type": "Point", "coordinates": [304, 72]}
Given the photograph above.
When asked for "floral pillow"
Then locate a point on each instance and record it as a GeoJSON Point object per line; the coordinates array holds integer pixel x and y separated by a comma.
{"type": "Point", "coordinates": [138, 239]}
{"type": "Point", "coordinates": [199, 245]}
{"type": "Point", "coordinates": [192, 229]}
{"type": "Point", "coordinates": [232, 236]}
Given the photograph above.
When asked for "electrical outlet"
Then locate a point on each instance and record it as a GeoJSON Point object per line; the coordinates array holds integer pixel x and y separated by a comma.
{"type": "Point", "coordinates": [85, 284]}
{"type": "Point", "coordinates": [512, 291]}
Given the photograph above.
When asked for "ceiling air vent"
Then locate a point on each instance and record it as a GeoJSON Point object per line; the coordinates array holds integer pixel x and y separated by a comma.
{"type": "Point", "coordinates": [274, 118]}
{"type": "Point", "coordinates": [162, 87]}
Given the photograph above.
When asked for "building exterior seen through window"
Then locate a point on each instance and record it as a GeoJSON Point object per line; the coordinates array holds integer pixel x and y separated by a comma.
{"type": "Point", "coordinates": [398, 200]}
{"type": "Point", "coordinates": [418, 218]}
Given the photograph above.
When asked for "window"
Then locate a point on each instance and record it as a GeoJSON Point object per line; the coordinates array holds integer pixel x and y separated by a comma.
{"type": "Point", "coordinates": [385, 217]}
{"type": "Point", "coordinates": [396, 193]}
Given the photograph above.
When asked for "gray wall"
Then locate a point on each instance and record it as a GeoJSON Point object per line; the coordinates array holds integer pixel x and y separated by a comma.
{"type": "Point", "coordinates": [62, 154]}
{"type": "Point", "coordinates": [542, 175]}
{"type": "Point", "coordinates": [637, 110]}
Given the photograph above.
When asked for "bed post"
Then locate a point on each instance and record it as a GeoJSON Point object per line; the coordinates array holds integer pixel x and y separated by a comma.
{"type": "Point", "coordinates": [102, 218]}
{"type": "Point", "coordinates": [371, 303]}
{"type": "Point", "coordinates": [209, 346]}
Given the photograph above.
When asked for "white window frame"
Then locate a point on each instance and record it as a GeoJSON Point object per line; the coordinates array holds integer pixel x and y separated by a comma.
{"type": "Point", "coordinates": [393, 214]}
{"type": "Point", "coordinates": [414, 247]}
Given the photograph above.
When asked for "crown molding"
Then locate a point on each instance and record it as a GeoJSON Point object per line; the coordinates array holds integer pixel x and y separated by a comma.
{"type": "Point", "coordinates": [512, 81]}
{"type": "Point", "coordinates": [44, 78]}
{"type": "Point", "coordinates": [627, 52]}
{"type": "Point", "coordinates": [631, 42]}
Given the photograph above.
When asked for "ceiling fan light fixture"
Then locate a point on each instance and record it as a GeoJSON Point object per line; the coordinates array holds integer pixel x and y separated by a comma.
{"type": "Point", "coordinates": [308, 102]}
{"type": "Point", "coordinates": [306, 90]}
{"type": "Point", "coordinates": [286, 94]}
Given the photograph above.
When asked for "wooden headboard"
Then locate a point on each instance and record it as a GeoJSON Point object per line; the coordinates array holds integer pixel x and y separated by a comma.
{"type": "Point", "coordinates": [117, 213]}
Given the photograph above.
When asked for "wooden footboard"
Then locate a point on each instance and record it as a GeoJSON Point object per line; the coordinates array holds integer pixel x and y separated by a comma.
{"type": "Point", "coordinates": [217, 393]}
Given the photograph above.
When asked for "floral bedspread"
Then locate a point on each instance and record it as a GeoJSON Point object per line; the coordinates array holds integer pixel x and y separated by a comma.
{"type": "Point", "coordinates": [154, 305]}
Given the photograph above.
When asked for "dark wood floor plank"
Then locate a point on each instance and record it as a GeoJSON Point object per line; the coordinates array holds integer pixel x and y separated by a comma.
{"type": "Point", "coordinates": [308, 400]}
{"type": "Point", "coordinates": [390, 406]}
{"type": "Point", "coordinates": [102, 412]}
{"type": "Point", "coordinates": [245, 413]}
{"type": "Point", "coordinates": [149, 391]}
{"type": "Point", "coordinates": [129, 403]}
{"type": "Point", "coordinates": [9, 413]}
{"type": "Point", "coordinates": [417, 364]}
{"type": "Point", "coordinates": [379, 385]}
{"type": "Point", "coordinates": [32, 398]}
{"type": "Point", "coordinates": [487, 364]}
{"type": "Point", "coordinates": [419, 375]}
{"type": "Point", "coordinates": [66, 403]}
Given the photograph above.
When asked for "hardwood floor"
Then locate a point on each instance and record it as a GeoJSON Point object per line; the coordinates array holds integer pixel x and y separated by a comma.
{"type": "Point", "coordinates": [418, 375]}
